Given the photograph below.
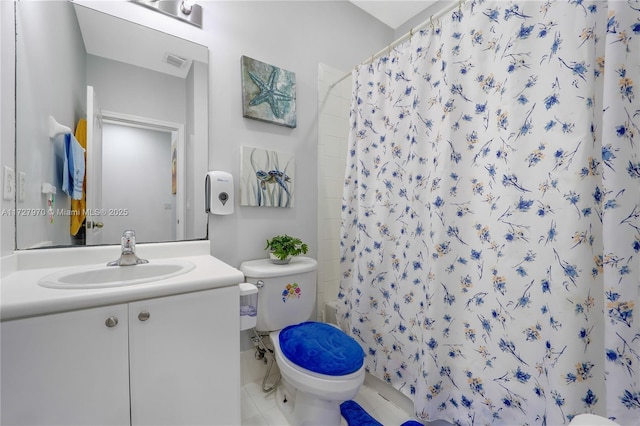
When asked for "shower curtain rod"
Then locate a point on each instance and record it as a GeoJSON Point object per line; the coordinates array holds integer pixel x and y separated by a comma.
{"type": "Point", "coordinates": [408, 35]}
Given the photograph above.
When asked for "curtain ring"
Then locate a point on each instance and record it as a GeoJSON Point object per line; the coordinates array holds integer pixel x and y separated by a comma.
{"type": "Point", "coordinates": [460, 6]}
{"type": "Point", "coordinates": [410, 33]}
{"type": "Point", "coordinates": [431, 22]}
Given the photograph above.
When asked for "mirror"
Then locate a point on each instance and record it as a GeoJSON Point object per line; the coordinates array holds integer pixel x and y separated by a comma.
{"type": "Point", "coordinates": [143, 95]}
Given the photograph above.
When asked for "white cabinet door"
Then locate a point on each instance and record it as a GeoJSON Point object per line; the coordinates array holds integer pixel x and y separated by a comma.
{"type": "Point", "coordinates": [184, 359]}
{"type": "Point", "coordinates": [66, 369]}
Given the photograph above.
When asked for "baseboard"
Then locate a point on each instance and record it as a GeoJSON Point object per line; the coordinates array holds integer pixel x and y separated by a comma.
{"type": "Point", "coordinates": [389, 393]}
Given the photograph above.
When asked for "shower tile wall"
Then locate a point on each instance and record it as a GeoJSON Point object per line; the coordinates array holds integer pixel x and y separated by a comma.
{"type": "Point", "coordinates": [333, 130]}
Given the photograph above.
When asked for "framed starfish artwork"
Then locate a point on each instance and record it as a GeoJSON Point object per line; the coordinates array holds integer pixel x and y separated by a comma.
{"type": "Point", "coordinates": [268, 93]}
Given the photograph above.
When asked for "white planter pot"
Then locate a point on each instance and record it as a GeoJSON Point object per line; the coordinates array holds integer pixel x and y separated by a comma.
{"type": "Point", "coordinates": [277, 261]}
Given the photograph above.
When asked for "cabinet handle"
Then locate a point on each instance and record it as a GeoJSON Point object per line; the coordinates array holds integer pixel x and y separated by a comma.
{"type": "Point", "coordinates": [111, 322]}
{"type": "Point", "coordinates": [144, 315]}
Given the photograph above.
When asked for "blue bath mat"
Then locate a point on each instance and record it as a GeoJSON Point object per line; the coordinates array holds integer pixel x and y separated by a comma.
{"type": "Point", "coordinates": [321, 348]}
{"type": "Point", "coordinates": [355, 415]}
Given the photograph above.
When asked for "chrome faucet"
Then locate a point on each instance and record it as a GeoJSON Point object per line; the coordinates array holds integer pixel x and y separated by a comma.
{"type": "Point", "coordinates": [128, 255]}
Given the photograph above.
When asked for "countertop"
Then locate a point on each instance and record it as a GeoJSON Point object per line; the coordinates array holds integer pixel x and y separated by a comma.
{"type": "Point", "coordinates": [21, 296]}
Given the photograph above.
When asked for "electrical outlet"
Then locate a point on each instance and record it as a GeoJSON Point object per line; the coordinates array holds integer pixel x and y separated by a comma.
{"type": "Point", "coordinates": [8, 183]}
{"type": "Point", "coordinates": [22, 177]}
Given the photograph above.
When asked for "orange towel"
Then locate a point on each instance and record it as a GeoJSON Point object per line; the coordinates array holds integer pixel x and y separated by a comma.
{"type": "Point", "coordinates": [78, 207]}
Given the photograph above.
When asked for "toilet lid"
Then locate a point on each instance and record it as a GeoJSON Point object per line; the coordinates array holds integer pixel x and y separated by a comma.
{"type": "Point", "coordinates": [321, 348]}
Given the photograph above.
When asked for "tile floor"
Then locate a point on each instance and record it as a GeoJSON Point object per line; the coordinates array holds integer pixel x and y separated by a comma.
{"type": "Point", "coordinates": [259, 408]}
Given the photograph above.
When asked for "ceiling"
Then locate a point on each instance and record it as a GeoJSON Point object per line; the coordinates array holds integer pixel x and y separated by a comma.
{"type": "Point", "coordinates": [107, 36]}
{"type": "Point", "coordinates": [98, 28]}
{"type": "Point", "coordinates": [393, 13]}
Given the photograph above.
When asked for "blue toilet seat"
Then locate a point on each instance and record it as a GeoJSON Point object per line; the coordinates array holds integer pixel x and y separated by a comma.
{"type": "Point", "coordinates": [321, 348]}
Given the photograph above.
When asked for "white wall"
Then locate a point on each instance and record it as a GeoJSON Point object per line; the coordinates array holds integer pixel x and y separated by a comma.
{"type": "Point", "coordinates": [7, 118]}
{"type": "Point", "coordinates": [295, 36]}
{"type": "Point", "coordinates": [129, 89]}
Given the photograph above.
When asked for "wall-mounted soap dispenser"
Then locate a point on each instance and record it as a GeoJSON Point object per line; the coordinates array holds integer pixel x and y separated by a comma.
{"type": "Point", "coordinates": [218, 187]}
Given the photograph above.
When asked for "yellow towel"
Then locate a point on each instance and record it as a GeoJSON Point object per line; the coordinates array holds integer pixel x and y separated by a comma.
{"type": "Point", "coordinates": [78, 207]}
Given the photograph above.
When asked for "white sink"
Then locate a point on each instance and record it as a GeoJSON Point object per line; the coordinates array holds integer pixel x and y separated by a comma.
{"type": "Point", "coordinates": [116, 276]}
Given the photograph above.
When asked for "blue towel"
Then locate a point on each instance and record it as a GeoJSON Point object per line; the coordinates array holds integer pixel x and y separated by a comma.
{"type": "Point", "coordinates": [321, 348]}
{"type": "Point", "coordinates": [73, 170]}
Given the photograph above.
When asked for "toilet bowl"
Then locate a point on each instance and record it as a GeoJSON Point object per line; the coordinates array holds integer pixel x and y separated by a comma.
{"type": "Point", "coordinates": [321, 366]}
{"type": "Point", "coordinates": [310, 398]}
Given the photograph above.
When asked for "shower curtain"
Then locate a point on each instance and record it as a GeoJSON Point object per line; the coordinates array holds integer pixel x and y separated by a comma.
{"type": "Point", "coordinates": [490, 237]}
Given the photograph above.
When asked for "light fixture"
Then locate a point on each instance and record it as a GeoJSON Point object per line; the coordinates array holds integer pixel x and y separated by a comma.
{"type": "Point", "coordinates": [184, 10]}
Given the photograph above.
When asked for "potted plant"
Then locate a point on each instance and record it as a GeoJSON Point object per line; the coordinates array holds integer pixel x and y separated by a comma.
{"type": "Point", "coordinates": [283, 247]}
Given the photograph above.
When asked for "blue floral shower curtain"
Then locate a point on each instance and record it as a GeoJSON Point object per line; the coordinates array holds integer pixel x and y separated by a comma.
{"type": "Point", "coordinates": [491, 232]}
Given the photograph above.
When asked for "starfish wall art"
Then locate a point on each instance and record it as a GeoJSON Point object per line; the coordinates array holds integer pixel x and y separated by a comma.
{"type": "Point", "coordinates": [268, 93]}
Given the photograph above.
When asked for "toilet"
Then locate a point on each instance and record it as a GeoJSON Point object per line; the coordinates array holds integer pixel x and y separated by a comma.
{"type": "Point", "coordinates": [321, 366]}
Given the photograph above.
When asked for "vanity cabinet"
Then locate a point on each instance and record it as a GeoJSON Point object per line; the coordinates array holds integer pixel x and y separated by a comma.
{"type": "Point", "coordinates": [169, 360]}
{"type": "Point", "coordinates": [66, 369]}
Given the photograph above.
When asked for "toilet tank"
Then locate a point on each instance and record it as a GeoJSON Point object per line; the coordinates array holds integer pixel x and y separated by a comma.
{"type": "Point", "coordinates": [287, 294]}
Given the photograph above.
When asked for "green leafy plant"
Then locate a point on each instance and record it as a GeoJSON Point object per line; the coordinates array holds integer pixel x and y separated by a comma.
{"type": "Point", "coordinates": [284, 246]}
